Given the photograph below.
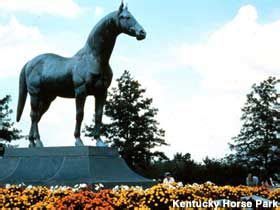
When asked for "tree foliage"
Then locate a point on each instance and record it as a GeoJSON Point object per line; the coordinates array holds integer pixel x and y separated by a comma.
{"type": "Point", "coordinates": [258, 143]}
{"type": "Point", "coordinates": [133, 128]}
{"type": "Point", "coordinates": [184, 169]}
{"type": "Point", "coordinates": [8, 132]}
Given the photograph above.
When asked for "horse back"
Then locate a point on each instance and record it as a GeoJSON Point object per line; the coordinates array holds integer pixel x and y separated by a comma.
{"type": "Point", "coordinates": [50, 72]}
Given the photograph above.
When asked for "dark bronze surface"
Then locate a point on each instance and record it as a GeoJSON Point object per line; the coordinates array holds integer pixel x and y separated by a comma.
{"type": "Point", "coordinates": [2, 149]}
{"type": "Point", "coordinates": [67, 166]}
{"type": "Point", "coordinates": [88, 72]}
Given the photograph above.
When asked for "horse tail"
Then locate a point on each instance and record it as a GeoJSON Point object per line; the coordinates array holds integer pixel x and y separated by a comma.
{"type": "Point", "coordinates": [22, 93]}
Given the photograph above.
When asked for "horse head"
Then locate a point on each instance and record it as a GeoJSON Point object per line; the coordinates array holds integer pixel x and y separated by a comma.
{"type": "Point", "coordinates": [129, 25]}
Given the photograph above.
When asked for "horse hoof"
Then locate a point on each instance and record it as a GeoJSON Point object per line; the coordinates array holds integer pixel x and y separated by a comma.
{"type": "Point", "coordinates": [39, 143]}
{"type": "Point", "coordinates": [79, 142]}
{"type": "Point", "coordinates": [100, 143]}
{"type": "Point", "coordinates": [31, 145]}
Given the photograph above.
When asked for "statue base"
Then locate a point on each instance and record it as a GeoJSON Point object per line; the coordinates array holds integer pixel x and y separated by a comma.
{"type": "Point", "coordinates": [50, 166]}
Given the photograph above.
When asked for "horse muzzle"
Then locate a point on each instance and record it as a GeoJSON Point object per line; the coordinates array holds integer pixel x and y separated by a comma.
{"type": "Point", "coordinates": [140, 35]}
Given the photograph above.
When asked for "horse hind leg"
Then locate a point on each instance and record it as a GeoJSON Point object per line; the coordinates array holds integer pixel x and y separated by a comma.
{"type": "Point", "coordinates": [43, 107]}
{"type": "Point", "coordinates": [34, 136]}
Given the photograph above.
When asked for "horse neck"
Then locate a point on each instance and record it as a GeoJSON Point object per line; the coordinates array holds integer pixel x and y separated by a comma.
{"type": "Point", "coordinates": [102, 39]}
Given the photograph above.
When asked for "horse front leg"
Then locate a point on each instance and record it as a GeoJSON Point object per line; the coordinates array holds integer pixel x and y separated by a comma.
{"type": "Point", "coordinates": [80, 103]}
{"type": "Point", "coordinates": [99, 106]}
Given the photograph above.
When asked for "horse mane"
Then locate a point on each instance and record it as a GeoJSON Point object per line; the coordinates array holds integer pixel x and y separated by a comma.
{"type": "Point", "coordinates": [105, 21]}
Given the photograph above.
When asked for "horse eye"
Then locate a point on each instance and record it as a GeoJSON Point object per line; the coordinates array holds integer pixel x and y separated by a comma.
{"type": "Point", "coordinates": [125, 17]}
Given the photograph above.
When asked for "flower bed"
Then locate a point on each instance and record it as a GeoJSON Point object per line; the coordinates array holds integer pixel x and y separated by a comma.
{"type": "Point", "coordinates": [159, 196]}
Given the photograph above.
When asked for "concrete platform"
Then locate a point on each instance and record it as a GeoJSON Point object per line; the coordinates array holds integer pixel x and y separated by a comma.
{"type": "Point", "coordinates": [67, 166]}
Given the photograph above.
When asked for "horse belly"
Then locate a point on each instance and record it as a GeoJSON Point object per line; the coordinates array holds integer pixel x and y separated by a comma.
{"type": "Point", "coordinates": [59, 88]}
{"type": "Point", "coordinates": [58, 83]}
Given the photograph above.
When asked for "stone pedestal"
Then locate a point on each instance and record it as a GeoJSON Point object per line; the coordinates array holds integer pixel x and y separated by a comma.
{"type": "Point", "coordinates": [67, 166]}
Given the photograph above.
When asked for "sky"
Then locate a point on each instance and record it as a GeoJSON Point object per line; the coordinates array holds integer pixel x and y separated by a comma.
{"type": "Point", "coordinates": [198, 62]}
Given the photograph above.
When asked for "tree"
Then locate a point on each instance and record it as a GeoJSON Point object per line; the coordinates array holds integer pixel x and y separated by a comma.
{"type": "Point", "coordinates": [7, 131]}
{"type": "Point", "coordinates": [133, 128]}
{"type": "Point", "coordinates": [258, 143]}
{"type": "Point", "coordinates": [184, 169]}
{"type": "Point", "coordinates": [221, 171]}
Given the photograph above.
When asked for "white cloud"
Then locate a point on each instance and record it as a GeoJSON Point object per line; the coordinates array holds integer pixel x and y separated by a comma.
{"type": "Point", "coordinates": [98, 11]}
{"type": "Point", "coordinates": [65, 8]}
{"type": "Point", "coordinates": [18, 44]}
{"type": "Point", "coordinates": [229, 61]}
{"type": "Point", "coordinates": [238, 54]}
{"type": "Point", "coordinates": [235, 56]}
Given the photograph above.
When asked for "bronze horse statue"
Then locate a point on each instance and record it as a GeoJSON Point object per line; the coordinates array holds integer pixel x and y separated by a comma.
{"type": "Point", "coordinates": [88, 72]}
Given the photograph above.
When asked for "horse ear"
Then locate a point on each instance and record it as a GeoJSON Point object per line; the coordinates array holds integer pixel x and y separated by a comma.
{"type": "Point", "coordinates": [121, 7]}
{"type": "Point", "coordinates": [126, 7]}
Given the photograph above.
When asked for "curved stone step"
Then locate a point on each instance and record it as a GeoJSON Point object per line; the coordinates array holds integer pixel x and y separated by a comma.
{"type": "Point", "coordinates": [67, 166]}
